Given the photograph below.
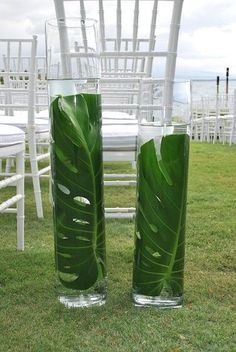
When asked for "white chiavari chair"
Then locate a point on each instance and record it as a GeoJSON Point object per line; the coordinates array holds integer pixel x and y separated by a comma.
{"type": "Point", "coordinates": [213, 118]}
{"type": "Point", "coordinates": [12, 144]}
{"type": "Point", "coordinates": [18, 105]}
{"type": "Point", "coordinates": [138, 40]}
{"type": "Point", "coordinates": [229, 121]}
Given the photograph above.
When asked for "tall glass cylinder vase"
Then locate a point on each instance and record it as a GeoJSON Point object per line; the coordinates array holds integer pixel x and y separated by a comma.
{"type": "Point", "coordinates": [76, 160]}
{"type": "Point", "coordinates": [162, 160]}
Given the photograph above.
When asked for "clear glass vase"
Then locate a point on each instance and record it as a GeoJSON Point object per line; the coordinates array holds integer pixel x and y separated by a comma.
{"type": "Point", "coordinates": [76, 161]}
{"type": "Point", "coordinates": [162, 161]}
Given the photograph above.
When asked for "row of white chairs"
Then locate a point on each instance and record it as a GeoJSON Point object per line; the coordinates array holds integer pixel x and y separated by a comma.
{"type": "Point", "coordinates": [12, 143]}
{"type": "Point", "coordinates": [23, 135]}
{"type": "Point", "coordinates": [128, 56]}
{"type": "Point", "coordinates": [18, 108]}
{"type": "Point", "coordinates": [214, 119]}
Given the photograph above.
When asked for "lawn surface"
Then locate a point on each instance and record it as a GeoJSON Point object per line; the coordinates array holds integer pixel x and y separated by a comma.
{"type": "Point", "coordinates": [31, 318]}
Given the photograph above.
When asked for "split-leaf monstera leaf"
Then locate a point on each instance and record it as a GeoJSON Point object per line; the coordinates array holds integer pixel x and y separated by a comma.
{"type": "Point", "coordinates": [78, 190]}
{"type": "Point", "coordinates": [160, 220]}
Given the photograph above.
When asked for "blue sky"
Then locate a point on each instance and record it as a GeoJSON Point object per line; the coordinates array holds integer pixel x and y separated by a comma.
{"type": "Point", "coordinates": [207, 36]}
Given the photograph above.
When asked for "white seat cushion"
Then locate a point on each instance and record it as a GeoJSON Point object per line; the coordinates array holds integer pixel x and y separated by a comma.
{"type": "Point", "coordinates": [20, 120]}
{"type": "Point", "coordinates": [117, 134]}
{"type": "Point", "coordinates": [43, 114]}
{"type": "Point", "coordinates": [119, 137]}
{"type": "Point", "coordinates": [119, 122]}
{"type": "Point", "coordinates": [106, 115]}
{"type": "Point", "coordinates": [11, 135]}
{"type": "Point", "coordinates": [117, 115]}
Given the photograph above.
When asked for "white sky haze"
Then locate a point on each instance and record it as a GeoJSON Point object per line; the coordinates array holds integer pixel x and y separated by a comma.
{"type": "Point", "coordinates": [207, 36]}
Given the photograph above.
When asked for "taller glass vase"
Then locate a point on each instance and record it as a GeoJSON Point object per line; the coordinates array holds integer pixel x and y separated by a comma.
{"type": "Point", "coordinates": [162, 161]}
{"type": "Point", "coordinates": [76, 160]}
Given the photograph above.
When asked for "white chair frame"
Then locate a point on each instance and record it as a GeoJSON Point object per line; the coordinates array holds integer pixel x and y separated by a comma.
{"type": "Point", "coordinates": [233, 130]}
{"type": "Point", "coordinates": [17, 179]}
{"type": "Point", "coordinates": [147, 55]}
{"type": "Point", "coordinates": [141, 68]}
{"type": "Point", "coordinates": [35, 139]}
{"type": "Point", "coordinates": [213, 121]}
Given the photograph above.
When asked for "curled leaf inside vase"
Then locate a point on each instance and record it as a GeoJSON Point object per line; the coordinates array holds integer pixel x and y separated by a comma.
{"type": "Point", "coordinates": [77, 173]}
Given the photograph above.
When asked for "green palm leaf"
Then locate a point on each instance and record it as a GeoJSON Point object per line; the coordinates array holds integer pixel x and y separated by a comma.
{"type": "Point", "coordinates": [160, 220]}
{"type": "Point", "coordinates": [78, 190]}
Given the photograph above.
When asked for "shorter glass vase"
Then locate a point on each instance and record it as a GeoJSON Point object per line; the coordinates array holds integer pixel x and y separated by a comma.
{"type": "Point", "coordinates": [162, 164]}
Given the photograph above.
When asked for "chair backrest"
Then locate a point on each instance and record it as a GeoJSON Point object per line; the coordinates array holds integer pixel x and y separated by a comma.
{"type": "Point", "coordinates": [24, 63]}
{"type": "Point", "coordinates": [17, 84]}
{"type": "Point", "coordinates": [138, 37]}
{"type": "Point", "coordinates": [135, 31]}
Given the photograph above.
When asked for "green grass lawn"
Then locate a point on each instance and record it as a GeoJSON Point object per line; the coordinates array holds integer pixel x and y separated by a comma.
{"type": "Point", "coordinates": [31, 318]}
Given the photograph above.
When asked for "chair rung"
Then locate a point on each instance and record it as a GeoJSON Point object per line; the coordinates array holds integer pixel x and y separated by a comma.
{"type": "Point", "coordinates": [14, 73]}
{"type": "Point", "coordinates": [10, 202]}
{"type": "Point", "coordinates": [119, 216]}
{"type": "Point", "coordinates": [42, 144]}
{"type": "Point", "coordinates": [10, 211]}
{"type": "Point", "coordinates": [119, 175]}
{"type": "Point", "coordinates": [14, 106]}
{"type": "Point", "coordinates": [40, 172]}
{"type": "Point", "coordinates": [120, 210]}
{"type": "Point", "coordinates": [119, 213]}
{"type": "Point", "coordinates": [126, 54]}
{"type": "Point", "coordinates": [42, 105]}
{"type": "Point", "coordinates": [43, 156]}
{"type": "Point", "coordinates": [44, 170]}
{"type": "Point", "coordinates": [119, 183]}
{"type": "Point", "coordinates": [15, 90]}
{"type": "Point", "coordinates": [6, 174]}
{"type": "Point", "coordinates": [130, 80]}
{"type": "Point", "coordinates": [151, 107]}
{"type": "Point", "coordinates": [10, 180]}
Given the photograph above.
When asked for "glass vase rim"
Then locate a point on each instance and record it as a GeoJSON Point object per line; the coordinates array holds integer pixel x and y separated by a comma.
{"type": "Point", "coordinates": [88, 22]}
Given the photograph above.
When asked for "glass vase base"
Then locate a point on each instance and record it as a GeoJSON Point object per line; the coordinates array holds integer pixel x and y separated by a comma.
{"type": "Point", "coordinates": [157, 301]}
{"type": "Point", "coordinates": [83, 301]}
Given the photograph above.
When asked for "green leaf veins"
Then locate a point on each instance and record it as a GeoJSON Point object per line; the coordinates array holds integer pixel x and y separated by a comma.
{"type": "Point", "coordinates": [161, 213]}
{"type": "Point", "coordinates": [78, 190]}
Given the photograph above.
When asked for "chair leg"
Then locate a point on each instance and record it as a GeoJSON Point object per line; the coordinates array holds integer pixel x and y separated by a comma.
{"type": "Point", "coordinates": [202, 131]}
{"type": "Point", "coordinates": [216, 131]}
{"type": "Point", "coordinates": [9, 164]}
{"type": "Point", "coordinates": [208, 133]}
{"type": "Point", "coordinates": [35, 177]}
{"type": "Point", "coordinates": [20, 170]}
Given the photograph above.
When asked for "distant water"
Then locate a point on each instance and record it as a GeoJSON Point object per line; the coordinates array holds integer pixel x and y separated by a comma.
{"type": "Point", "coordinates": [208, 88]}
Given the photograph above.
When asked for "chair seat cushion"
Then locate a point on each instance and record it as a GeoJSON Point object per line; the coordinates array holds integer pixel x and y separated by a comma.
{"type": "Point", "coordinates": [128, 122]}
{"type": "Point", "coordinates": [20, 120]}
{"type": "Point", "coordinates": [117, 134]}
{"type": "Point", "coordinates": [43, 114]}
{"type": "Point", "coordinates": [117, 115]}
{"type": "Point", "coordinates": [11, 135]}
{"type": "Point", "coordinates": [111, 115]}
{"type": "Point", "coordinates": [119, 137]}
